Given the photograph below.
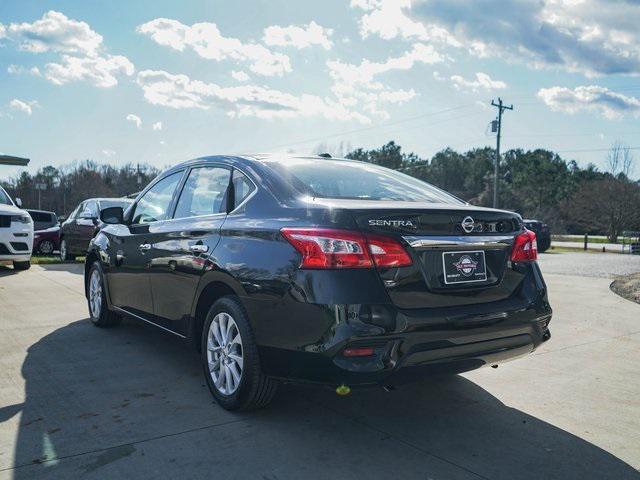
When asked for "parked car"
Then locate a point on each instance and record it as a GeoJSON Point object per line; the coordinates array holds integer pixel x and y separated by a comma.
{"type": "Point", "coordinates": [46, 235]}
{"type": "Point", "coordinates": [82, 225]}
{"type": "Point", "coordinates": [317, 270]}
{"type": "Point", "coordinates": [543, 234]}
{"type": "Point", "coordinates": [16, 233]}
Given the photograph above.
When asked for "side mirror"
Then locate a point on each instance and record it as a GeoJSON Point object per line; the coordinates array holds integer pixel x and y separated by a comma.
{"type": "Point", "coordinates": [19, 202]}
{"type": "Point", "coordinates": [112, 215]}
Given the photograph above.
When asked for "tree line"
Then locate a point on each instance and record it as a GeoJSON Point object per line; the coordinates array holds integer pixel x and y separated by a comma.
{"type": "Point", "coordinates": [537, 184]}
{"type": "Point", "coordinates": [61, 189]}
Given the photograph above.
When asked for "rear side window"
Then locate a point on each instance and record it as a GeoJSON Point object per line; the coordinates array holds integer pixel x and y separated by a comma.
{"type": "Point", "coordinates": [326, 178]}
{"type": "Point", "coordinates": [204, 192]}
{"type": "Point", "coordinates": [42, 220]}
{"type": "Point", "coordinates": [242, 187]}
{"type": "Point", "coordinates": [4, 198]}
{"type": "Point", "coordinates": [154, 205]}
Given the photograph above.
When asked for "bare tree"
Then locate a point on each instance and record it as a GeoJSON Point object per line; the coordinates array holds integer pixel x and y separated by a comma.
{"type": "Point", "coordinates": [620, 159]}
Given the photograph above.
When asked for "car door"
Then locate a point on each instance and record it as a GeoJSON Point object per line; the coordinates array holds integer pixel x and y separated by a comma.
{"type": "Point", "coordinates": [181, 245]}
{"type": "Point", "coordinates": [85, 227]}
{"type": "Point", "coordinates": [129, 282]}
{"type": "Point", "coordinates": [69, 228]}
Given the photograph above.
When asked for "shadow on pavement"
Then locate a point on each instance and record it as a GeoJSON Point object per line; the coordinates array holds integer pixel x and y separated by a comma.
{"type": "Point", "coordinates": [77, 268]}
{"type": "Point", "coordinates": [105, 403]}
{"type": "Point", "coordinates": [5, 271]}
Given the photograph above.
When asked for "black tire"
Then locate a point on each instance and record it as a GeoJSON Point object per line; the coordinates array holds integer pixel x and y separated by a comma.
{"type": "Point", "coordinates": [100, 317]}
{"type": "Point", "coordinates": [22, 265]}
{"type": "Point", "coordinates": [46, 247]}
{"type": "Point", "coordinates": [544, 246]}
{"type": "Point", "coordinates": [255, 390]}
{"type": "Point", "coordinates": [65, 256]}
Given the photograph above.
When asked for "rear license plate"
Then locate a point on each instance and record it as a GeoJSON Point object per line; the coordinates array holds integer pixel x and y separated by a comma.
{"type": "Point", "coordinates": [464, 267]}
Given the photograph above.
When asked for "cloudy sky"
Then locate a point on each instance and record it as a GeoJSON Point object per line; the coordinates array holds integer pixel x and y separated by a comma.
{"type": "Point", "coordinates": [163, 81]}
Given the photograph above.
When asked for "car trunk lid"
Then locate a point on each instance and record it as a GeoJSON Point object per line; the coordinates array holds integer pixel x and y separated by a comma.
{"type": "Point", "coordinates": [460, 252]}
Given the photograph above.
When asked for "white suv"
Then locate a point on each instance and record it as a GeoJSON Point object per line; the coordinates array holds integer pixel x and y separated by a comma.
{"type": "Point", "coordinates": [16, 233]}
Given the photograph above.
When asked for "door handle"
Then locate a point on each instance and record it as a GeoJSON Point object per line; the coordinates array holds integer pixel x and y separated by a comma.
{"type": "Point", "coordinates": [144, 247]}
{"type": "Point", "coordinates": [199, 248]}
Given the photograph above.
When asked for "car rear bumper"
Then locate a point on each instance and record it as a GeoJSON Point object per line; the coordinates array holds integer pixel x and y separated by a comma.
{"type": "Point", "coordinates": [420, 343]}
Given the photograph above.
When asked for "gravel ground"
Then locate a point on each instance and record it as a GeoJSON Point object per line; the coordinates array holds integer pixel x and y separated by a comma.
{"type": "Point", "coordinates": [628, 287]}
{"type": "Point", "coordinates": [603, 265]}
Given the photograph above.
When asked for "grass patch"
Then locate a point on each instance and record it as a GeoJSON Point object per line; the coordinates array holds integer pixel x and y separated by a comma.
{"type": "Point", "coordinates": [554, 249]}
{"type": "Point", "coordinates": [580, 238]}
{"type": "Point", "coordinates": [52, 260]}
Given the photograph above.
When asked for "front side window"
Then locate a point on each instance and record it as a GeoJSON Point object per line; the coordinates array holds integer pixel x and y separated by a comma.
{"type": "Point", "coordinates": [153, 206]}
{"type": "Point", "coordinates": [90, 210]}
{"type": "Point", "coordinates": [204, 192]}
{"type": "Point", "coordinates": [79, 209]}
{"type": "Point", "coordinates": [349, 179]}
{"type": "Point", "coordinates": [124, 203]}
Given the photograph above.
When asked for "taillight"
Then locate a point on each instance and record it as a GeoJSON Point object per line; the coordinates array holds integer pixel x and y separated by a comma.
{"type": "Point", "coordinates": [328, 248]}
{"type": "Point", "coordinates": [525, 247]}
{"type": "Point", "coordinates": [387, 252]}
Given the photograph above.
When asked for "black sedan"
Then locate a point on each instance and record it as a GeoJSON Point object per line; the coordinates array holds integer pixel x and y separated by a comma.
{"type": "Point", "coordinates": [317, 270]}
{"type": "Point", "coordinates": [82, 225]}
{"type": "Point", "coordinates": [543, 234]}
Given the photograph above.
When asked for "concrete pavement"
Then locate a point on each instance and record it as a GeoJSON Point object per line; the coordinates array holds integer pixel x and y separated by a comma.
{"type": "Point", "coordinates": [80, 401]}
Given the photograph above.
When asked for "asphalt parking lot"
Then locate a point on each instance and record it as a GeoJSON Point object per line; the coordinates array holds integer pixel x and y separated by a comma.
{"type": "Point", "coordinates": [79, 401]}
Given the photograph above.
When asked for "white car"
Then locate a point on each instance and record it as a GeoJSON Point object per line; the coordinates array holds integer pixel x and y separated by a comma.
{"type": "Point", "coordinates": [16, 233]}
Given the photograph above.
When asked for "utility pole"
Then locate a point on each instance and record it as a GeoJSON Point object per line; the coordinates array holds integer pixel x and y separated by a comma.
{"type": "Point", "coordinates": [501, 108]}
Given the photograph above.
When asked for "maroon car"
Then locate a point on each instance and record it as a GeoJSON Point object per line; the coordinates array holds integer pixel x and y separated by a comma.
{"type": "Point", "coordinates": [83, 224]}
{"type": "Point", "coordinates": [46, 232]}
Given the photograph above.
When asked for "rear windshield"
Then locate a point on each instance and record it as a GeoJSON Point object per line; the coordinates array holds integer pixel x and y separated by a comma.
{"type": "Point", "coordinates": [326, 178]}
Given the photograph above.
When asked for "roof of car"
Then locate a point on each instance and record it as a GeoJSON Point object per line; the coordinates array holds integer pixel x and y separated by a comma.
{"type": "Point", "coordinates": [39, 211]}
{"type": "Point", "coordinates": [110, 199]}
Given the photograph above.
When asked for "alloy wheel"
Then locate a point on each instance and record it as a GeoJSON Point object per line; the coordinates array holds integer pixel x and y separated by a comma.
{"type": "Point", "coordinates": [46, 247]}
{"type": "Point", "coordinates": [95, 294]}
{"type": "Point", "coordinates": [225, 353]}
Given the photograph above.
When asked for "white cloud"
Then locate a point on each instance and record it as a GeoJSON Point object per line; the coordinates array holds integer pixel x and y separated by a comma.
{"type": "Point", "coordinates": [357, 84]}
{"type": "Point", "coordinates": [20, 70]}
{"type": "Point", "coordinates": [481, 82]}
{"type": "Point", "coordinates": [108, 153]}
{"type": "Point", "coordinates": [134, 119]}
{"type": "Point", "coordinates": [82, 55]}
{"type": "Point", "coordinates": [21, 106]}
{"type": "Point", "coordinates": [388, 19]}
{"type": "Point", "coordinates": [592, 37]}
{"type": "Point", "coordinates": [101, 71]}
{"type": "Point", "coordinates": [206, 40]}
{"type": "Point", "coordinates": [240, 76]}
{"type": "Point", "coordinates": [157, 126]}
{"type": "Point", "coordinates": [57, 33]}
{"type": "Point", "coordinates": [179, 91]}
{"type": "Point", "coordinates": [590, 98]}
{"type": "Point", "coordinates": [3, 31]}
{"type": "Point", "coordinates": [298, 37]}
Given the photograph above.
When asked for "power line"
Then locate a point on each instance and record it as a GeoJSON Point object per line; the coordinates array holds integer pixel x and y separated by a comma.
{"type": "Point", "coordinates": [593, 150]}
{"type": "Point", "coordinates": [373, 127]}
{"type": "Point", "coordinates": [501, 108]}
